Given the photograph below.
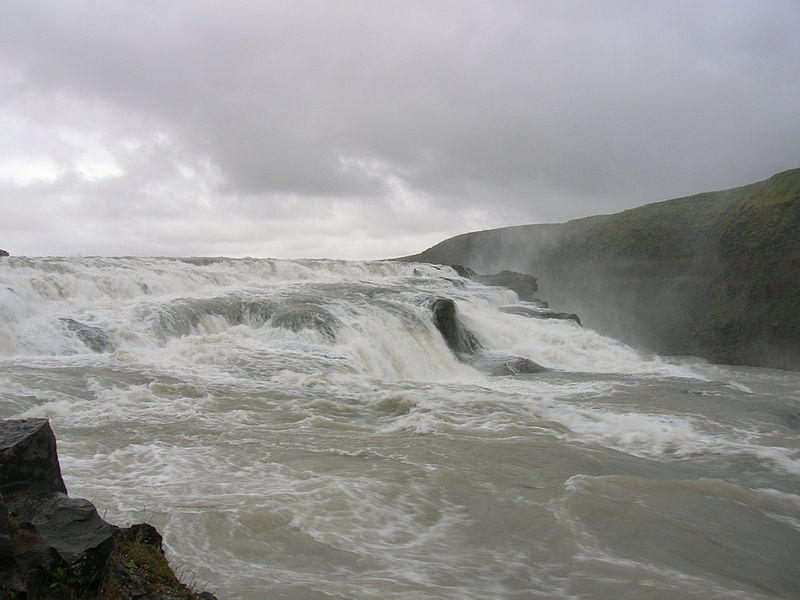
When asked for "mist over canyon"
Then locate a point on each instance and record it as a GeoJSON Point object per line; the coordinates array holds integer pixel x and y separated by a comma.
{"type": "Point", "coordinates": [715, 275]}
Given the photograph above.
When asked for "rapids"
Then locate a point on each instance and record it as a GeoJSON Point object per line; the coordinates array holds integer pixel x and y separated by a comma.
{"type": "Point", "coordinates": [300, 430]}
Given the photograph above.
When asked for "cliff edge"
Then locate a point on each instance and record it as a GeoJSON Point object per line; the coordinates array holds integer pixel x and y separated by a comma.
{"type": "Point", "coordinates": [715, 275]}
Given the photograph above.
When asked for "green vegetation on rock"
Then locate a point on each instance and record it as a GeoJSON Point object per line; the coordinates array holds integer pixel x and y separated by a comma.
{"type": "Point", "coordinates": [716, 274]}
{"type": "Point", "coordinates": [137, 568]}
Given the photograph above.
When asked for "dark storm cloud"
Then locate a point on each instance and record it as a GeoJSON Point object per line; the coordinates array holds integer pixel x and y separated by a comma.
{"type": "Point", "coordinates": [418, 119]}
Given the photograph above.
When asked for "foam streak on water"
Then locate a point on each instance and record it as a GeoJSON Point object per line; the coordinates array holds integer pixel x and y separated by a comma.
{"type": "Point", "coordinates": [300, 430]}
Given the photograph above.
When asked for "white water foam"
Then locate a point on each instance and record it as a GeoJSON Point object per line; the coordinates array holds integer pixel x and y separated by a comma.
{"type": "Point", "coordinates": [300, 429]}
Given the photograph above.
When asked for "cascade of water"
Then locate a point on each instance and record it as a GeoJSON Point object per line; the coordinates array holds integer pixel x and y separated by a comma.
{"type": "Point", "coordinates": [303, 429]}
{"type": "Point", "coordinates": [377, 315]}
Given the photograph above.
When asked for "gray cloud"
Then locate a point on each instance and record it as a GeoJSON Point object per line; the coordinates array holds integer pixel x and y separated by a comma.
{"type": "Point", "coordinates": [363, 128]}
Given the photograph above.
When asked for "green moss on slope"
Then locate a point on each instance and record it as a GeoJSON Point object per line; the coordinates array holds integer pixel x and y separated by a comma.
{"type": "Point", "coordinates": [715, 274]}
{"type": "Point", "coordinates": [757, 302]}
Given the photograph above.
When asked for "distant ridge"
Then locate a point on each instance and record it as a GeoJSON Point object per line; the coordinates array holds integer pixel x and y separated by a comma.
{"type": "Point", "coordinates": [715, 274]}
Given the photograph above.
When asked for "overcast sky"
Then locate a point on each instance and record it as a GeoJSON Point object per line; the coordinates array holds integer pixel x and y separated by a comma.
{"type": "Point", "coordinates": [375, 128]}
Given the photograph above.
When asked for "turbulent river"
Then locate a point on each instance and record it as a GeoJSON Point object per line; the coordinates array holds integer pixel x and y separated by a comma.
{"type": "Point", "coordinates": [301, 430]}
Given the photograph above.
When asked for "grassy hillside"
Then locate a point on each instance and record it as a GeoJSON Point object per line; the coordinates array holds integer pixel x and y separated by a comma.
{"type": "Point", "coordinates": [715, 274]}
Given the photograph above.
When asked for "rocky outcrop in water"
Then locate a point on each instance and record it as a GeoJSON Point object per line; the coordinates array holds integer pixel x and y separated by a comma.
{"type": "Point", "coordinates": [92, 336]}
{"type": "Point", "coordinates": [53, 547]}
{"type": "Point", "coordinates": [495, 365]}
{"type": "Point", "coordinates": [445, 317]}
{"type": "Point", "coordinates": [537, 312]}
{"type": "Point", "coordinates": [4, 253]}
{"type": "Point", "coordinates": [714, 275]}
{"type": "Point", "coordinates": [522, 283]}
{"type": "Point", "coordinates": [306, 315]}
{"type": "Point", "coordinates": [466, 347]}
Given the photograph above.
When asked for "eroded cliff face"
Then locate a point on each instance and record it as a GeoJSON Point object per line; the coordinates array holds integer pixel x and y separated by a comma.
{"type": "Point", "coordinates": [755, 309]}
{"type": "Point", "coordinates": [715, 275]}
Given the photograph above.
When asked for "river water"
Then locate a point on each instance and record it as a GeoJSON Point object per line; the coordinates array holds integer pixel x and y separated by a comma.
{"type": "Point", "coordinates": [300, 430]}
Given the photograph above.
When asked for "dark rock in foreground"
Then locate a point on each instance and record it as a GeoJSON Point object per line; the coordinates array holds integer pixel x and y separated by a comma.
{"type": "Point", "coordinates": [54, 547]}
{"type": "Point", "coordinates": [70, 526]}
{"type": "Point", "coordinates": [4, 253]}
{"type": "Point", "coordinates": [28, 458]}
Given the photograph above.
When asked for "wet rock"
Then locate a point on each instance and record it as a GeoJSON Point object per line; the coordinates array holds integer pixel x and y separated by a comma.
{"type": "Point", "coordinates": [184, 316]}
{"type": "Point", "coordinates": [53, 547]}
{"type": "Point", "coordinates": [68, 536]}
{"type": "Point", "coordinates": [28, 459]}
{"type": "Point", "coordinates": [70, 526]}
{"type": "Point", "coordinates": [523, 284]}
{"type": "Point", "coordinates": [306, 316]}
{"type": "Point", "coordinates": [10, 568]}
{"type": "Point", "coordinates": [539, 313]}
{"type": "Point", "coordinates": [43, 531]}
{"type": "Point", "coordinates": [92, 336]}
{"type": "Point", "coordinates": [4, 253]}
{"type": "Point", "coordinates": [539, 303]}
{"type": "Point", "coordinates": [467, 348]}
{"type": "Point", "coordinates": [463, 271]}
{"type": "Point", "coordinates": [445, 317]}
{"type": "Point", "coordinates": [505, 364]}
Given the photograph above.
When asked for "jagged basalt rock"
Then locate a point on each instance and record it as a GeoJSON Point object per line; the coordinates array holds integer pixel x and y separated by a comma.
{"type": "Point", "coordinates": [70, 526]}
{"type": "Point", "coordinates": [28, 458]}
{"type": "Point", "coordinates": [53, 547]}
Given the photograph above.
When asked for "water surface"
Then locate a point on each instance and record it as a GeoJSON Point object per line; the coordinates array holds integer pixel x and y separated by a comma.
{"type": "Point", "coordinates": [300, 430]}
